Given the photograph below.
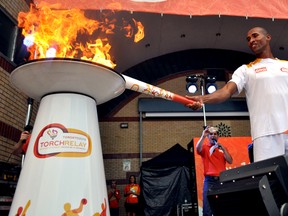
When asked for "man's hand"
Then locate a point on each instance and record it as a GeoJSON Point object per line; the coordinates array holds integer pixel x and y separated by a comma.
{"type": "Point", "coordinates": [24, 135]}
{"type": "Point", "coordinates": [197, 105]}
{"type": "Point", "coordinates": [17, 149]}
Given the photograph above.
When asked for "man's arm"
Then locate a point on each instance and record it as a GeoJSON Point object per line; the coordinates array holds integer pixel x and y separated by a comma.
{"type": "Point", "coordinates": [218, 96]}
{"type": "Point", "coordinates": [201, 140]}
{"type": "Point", "coordinates": [117, 194]}
{"type": "Point", "coordinates": [17, 149]}
{"type": "Point", "coordinates": [227, 155]}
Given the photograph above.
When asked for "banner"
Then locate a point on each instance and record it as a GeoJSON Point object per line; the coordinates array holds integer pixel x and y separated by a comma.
{"type": "Point", "coordinates": [237, 147]}
{"type": "Point", "coordinates": [276, 9]}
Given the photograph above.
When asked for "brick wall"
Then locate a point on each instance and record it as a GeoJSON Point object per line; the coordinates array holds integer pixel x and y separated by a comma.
{"type": "Point", "coordinates": [13, 7]}
{"type": "Point", "coordinates": [13, 111]}
{"type": "Point", "coordinates": [13, 103]}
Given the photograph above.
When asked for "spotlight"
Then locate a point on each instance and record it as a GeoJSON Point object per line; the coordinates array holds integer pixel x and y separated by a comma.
{"type": "Point", "coordinates": [191, 85]}
{"type": "Point", "coordinates": [210, 84]}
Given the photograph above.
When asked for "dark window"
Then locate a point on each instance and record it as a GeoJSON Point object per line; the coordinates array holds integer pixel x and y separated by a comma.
{"type": "Point", "coordinates": [11, 40]}
{"type": "Point", "coordinates": [7, 35]}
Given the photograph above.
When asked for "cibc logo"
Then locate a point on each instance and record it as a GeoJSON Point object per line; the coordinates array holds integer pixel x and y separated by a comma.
{"type": "Point", "coordinates": [259, 70]}
{"type": "Point", "coordinates": [59, 141]}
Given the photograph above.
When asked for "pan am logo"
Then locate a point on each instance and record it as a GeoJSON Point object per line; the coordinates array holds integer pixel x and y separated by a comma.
{"type": "Point", "coordinates": [58, 141]}
{"type": "Point", "coordinates": [52, 133]}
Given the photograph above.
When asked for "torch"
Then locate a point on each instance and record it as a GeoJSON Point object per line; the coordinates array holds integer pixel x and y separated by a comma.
{"type": "Point", "coordinates": [145, 88]}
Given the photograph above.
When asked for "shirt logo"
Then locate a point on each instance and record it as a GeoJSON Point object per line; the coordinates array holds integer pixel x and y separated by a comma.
{"type": "Point", "coordinates": [259, 70]}
{"type": "Point", "coordinates": [283, 69]}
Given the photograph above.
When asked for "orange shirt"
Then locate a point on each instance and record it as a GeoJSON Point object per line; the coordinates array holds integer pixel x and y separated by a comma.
{"type": "Point", "coordinates": [213, 164]}
{"type": "Point", "coordinates": [131, 198]}
{"type": "Point", "coordinates": [25, 145]}
{"type": "Point", "coordinates": [114, 199]}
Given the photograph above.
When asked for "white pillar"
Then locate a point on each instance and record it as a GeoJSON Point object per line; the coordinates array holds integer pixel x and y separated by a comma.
{"type": "Point", "coordinates": [63, 169]}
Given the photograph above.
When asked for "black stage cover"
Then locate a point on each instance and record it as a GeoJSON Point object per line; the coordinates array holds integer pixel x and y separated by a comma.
{"type": "Point", "coordinates": [165, 182]}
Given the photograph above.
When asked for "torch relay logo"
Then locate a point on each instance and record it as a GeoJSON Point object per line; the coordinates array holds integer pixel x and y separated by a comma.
{"type": "Point", "coordinates": [58, 141]}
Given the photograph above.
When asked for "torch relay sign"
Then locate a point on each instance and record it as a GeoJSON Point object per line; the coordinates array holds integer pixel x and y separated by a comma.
{"type": "Point", "coordinates": [63, 172]}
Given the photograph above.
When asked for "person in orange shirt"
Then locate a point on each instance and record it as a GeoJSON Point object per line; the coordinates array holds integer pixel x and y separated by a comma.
{"type": "Point", "coordinates": [114, 197]}
{"type": "Point", "coordinates": [22, 145]}
{"type": "Point", "coordinates": [132, 192]}
{"type": "Point", "coordinates": [214, 156]}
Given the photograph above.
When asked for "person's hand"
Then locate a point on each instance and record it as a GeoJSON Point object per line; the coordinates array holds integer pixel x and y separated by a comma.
{"type": "Point", "coordinates": [197, 105]}
{"type": "Point", "coordinates": [205, 131]}
{"type": "Point", "coordinates": [24, 135]}
{"type": "Point", "coordinates": [220, 146]}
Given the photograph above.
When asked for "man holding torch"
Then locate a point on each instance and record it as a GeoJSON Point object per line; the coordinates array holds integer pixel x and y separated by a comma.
{"type": "Point", "coordinates": [265, 82]}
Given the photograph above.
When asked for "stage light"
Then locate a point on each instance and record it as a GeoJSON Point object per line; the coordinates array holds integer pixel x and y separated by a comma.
{"type": "Point", "coordinates": [210, 84]}
{"type": "Point", "coordinates": [191, 85]}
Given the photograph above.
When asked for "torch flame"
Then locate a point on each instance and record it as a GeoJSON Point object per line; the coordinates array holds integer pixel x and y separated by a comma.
{"type": "Point", "coordinates": [69, 34]}
{"type": "Point", "coordinates": [100, 53]}
{"type": "Point", "coordinates": [140, 34]}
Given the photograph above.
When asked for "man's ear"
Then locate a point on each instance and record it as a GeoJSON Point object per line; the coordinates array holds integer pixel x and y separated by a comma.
{"type": "Point", "coordinates": [269, 37]}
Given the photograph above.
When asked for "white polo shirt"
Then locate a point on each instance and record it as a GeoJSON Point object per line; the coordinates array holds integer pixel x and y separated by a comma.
{"type": "Point", "coordinates": [265, 82]}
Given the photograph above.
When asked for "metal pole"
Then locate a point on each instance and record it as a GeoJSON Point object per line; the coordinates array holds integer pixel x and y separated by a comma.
{"type": "Point", "coordinates": [140, 139]}
{"type": "Point", "coordinates": [27, 121]}
{"type": "Point", "coordinates": [29, 111]}
{"type": "Point", "coordinates": [27, 126]}
{"type": "Point", "coordinates": [202, 93]}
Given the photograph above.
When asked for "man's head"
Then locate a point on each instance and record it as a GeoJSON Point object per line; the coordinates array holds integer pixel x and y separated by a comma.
{"type": "Point", "coordinates": [259, 41]}
{"type": "Point", "coordinates": [113, 184]}
{"type": "Point", "coordinates": [213, 134]}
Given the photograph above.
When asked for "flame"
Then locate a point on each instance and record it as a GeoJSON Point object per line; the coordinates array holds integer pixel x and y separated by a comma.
{"type": "Point", "coordinates": [69, 34]}
{"type": "Point", "coordinates": [140, 34]}
{"type": "Point", "coordinates": [100, 53]}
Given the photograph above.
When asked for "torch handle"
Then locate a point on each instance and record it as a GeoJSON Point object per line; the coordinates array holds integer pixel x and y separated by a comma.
{"type": "Point", "coordinates": [181, 99]}
{"type": "Point", "coordinates": [145, 88]}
